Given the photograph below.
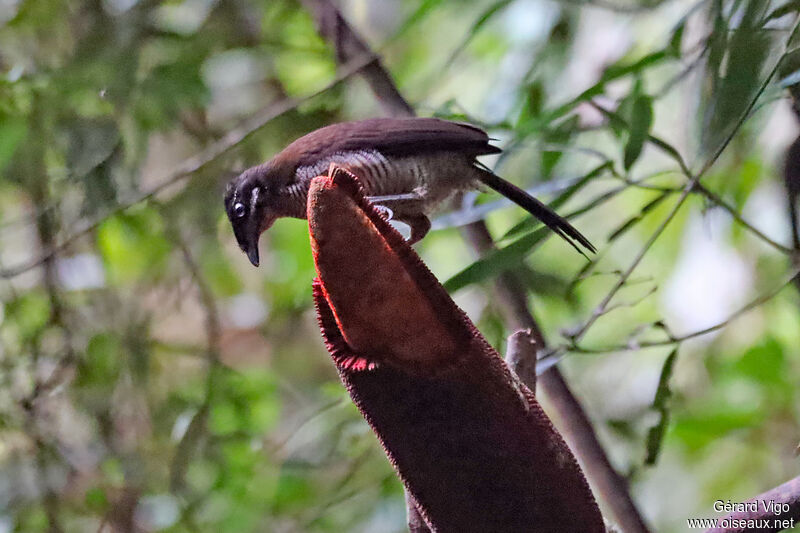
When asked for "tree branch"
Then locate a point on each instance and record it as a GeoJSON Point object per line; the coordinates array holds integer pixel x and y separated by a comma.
{"type": "Point", "coordinates": [786, 496]}
{"type": "Point", "coordinates": [758, 301]}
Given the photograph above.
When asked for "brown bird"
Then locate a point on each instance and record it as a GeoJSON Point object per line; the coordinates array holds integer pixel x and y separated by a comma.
{"type": "Point", "coordinates": [410, 165]}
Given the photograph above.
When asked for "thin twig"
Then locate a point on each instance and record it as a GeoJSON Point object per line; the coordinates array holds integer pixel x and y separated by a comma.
{"type": "Point", "coordinates": [719, 202]}
{"type": "Point", "coordinates": [756, 302]}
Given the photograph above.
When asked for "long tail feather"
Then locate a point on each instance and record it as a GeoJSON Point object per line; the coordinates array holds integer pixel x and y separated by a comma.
{"type": "Point", "coordinates": [549, 218]}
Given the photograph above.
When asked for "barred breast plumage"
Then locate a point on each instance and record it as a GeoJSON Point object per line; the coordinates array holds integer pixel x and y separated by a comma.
{"type": "Point", "coordinates": [435, 177]}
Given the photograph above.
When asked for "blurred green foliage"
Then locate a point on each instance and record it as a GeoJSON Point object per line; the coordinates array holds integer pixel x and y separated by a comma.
{"type": "Point", "coordinates": [151, 377]}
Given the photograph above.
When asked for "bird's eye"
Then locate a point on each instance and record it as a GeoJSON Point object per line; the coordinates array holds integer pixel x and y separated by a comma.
{"type": "Point", "coordinates": [239, 210]}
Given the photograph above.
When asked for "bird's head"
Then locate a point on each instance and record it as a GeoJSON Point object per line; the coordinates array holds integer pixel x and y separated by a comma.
{"type": "Point", "coordinates": [248, 203]}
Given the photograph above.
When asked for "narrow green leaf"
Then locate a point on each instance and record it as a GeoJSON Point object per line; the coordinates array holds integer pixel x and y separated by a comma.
{"type": "Point", "coordinates": [786, 9]}
{"type": "Point", "coordinates": [12, 131]}
{"type": "Point", "coordinates": [487, 15]}
{"type": "Point", "coordinates": [532, 103]}
{"type": "Point", "coordinates": [736, 75]}
{"type": "Point", "coordinates": [616, 71]}
{"type": "Point", "coordinates": [641, 121]}
{"type": "Point", "coordinates": [616, 120]}
{"type": "Point", "coordinates": [655, 437]}
{"type": "Point", "coordinates": [479, 23]}
{"type": "Point", "coordinates": [424, 7]}
{"type": "Point", "coordinates": [497, 261]}
{"type": "Point", "coordinates": [675, 41]}
{"type": "Point", "coordinates": [612, 73]}
{"type": "Point", "coordinates": [663, 392]}
{"type": "Point", "coordinates": [628, 224]}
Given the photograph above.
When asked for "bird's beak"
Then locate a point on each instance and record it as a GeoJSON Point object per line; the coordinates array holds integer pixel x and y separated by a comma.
{"type": "Point", "coordinates": [251, 249]}
{"type": "Point", "coordinates": [247, 238]}
{"type": "Point", "coordinates": [247, 235]}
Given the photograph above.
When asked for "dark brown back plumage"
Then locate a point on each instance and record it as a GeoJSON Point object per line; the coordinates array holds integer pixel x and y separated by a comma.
{"type": "Point", "coordinates": [396, 137]}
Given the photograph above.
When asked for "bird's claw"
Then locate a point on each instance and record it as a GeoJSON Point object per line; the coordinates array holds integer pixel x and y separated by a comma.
{"type": "Point", "coordinates": [385, 212]}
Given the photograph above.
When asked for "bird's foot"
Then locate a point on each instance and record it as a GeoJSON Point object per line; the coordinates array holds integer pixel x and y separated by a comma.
{"type": "Point", "coordinates": [385, 212]}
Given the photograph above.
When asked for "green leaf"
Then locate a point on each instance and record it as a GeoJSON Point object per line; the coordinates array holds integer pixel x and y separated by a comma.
{"type": "Point", "coordinates": [699, 429]}
{"type": "Point", "coordinates": [424, 7]}
{"type": "Point", "coordinates": [674, 47]}
{"type": "Point", "coordinates": [497, 261]}
{"type": "Point", "coordinates": [12, 131]}
{"type": "Point", "coordinates": [655, 437]}
{"type": "Point", "coordinates": [628, 224]}
{"type": "Point", "coordinates": [641, 121]}
{"type": "Point", "coordinates": [224, 418]}
{"type": "Point", "coordinates": [764, 363]}
{"type": "Point", "coordinates": [786, 9]}
{"type": "Point", "coordinates": [562, 134]}
{"type": "Point", "coordinates": [614, 72]}
{"type": "Point", "coordinates": [532, 103]}
{"type": "Point", "coordinates": [133, 245]}
{"type": "Point", "coordinates": [543, 283]}
{"type": "Point", "coordinates": [30, 313]}
{"type": "Point", "coordinates": [102, 360]}
{"type": "Point", "coordinates": [617, 121]}
{"type": "Point", "coordinates": [735, 74]}
{"type": "Point", "coordinates": [294, 491]}
{"type": "Point", "coordinates": [96, 500]}
{"type": "Point", "coordinates": [479, 23]}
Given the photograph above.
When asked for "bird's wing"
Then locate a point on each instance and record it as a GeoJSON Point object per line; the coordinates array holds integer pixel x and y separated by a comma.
{"type": "Point", "coordinates": [391, 137]}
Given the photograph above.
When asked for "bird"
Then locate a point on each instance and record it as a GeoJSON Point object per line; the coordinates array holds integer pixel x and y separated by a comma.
{"type": "Point", "coordinates": [410, 166]}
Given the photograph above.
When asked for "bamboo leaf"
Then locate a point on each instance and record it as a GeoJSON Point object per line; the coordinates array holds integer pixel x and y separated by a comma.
{"type": "Point", "coordinates": [497, 261]}
{"type": "Point", "coordinates": [655, 437]}
{"type": "Point", "coordinates": [628, 224]}
{"type": "Point", "coordinates": [481, 21]}
{"type": "Point", "coordinates": [786, 9]}
{"type": "Point", "coordinates": [612, 73]}
{"type": "Point", "coordinates": [736, 73]}
{"type": "Point", "coordinates": [425, 6]}
{"type": "Point", "coordinates": [641, 121]}
{"type": "Point", "coordinates": [675, 41]}
{"type": "Point", "coordinates": [12, 131]}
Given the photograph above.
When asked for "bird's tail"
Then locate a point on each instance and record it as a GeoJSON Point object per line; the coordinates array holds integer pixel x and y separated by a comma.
{"type": "Point", "coordinates": [549, 218]}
